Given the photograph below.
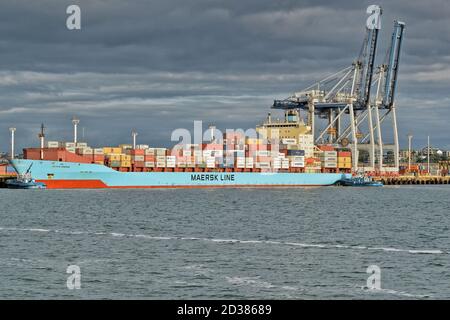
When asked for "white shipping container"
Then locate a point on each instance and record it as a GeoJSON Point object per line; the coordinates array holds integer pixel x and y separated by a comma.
{"type": "Point", "coordinates": [187, 153]}
{"type": "Point", "coordinates": [98, 151]}
{"type": "Point", "coordinates": [70, 145]}
{"type": "Point", "coordinates": [329, 159]}
{"type": "Point", "coordinates": [210, 165]}
{"type": "Point", "coordinates": [52, 144]}
{"type": "Point", "coordinates": [330, 153]}
{"type": "Point", "coordinates": [289, 141]}
{"type": "Point", "coordinates": [170, 165]}
{"type": "Point", "coordinates": [330, 165]}
{"type": "Point", "coordinates": [249, 165]}
{"type": "Point", "coordinates": [149, 164]}
{"type": "Point", "coordinates": [142, 146]}
{"type": "Point", "coordinates": [240, 165]}
{"type": "Point", "coordinates": [81, 145]}
{"type": "Point", "coordinates": [263, 164]}
{"type": "Point", "coordinates": [160, 164]}
{"type": "Point", "coordinates": [161, 151]}
{"type": "Point", "coordinates": [171, 158]}
{"type": "Point", "coordinates": [150, 151]}
{"type": "Point", "coordinates": [138, 158]}
{"type": "Point", "coordinates": [86, 151]}
{"type": "Point", "coordinates": [160, 158]}
{"type": "Point", "coordinates": [297, 164]}
{"type": "Point", "coordinates": [70, 149]}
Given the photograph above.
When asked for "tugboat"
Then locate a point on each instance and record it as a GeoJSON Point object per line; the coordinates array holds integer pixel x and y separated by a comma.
{"type": "Point", "coordinates": [25, 181]}
{"type": "Point", "coordinates": [360, 181]}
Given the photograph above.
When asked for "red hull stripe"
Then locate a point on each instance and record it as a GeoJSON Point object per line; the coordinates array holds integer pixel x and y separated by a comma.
{"type": "Point", "coordinates": [96, 184]}
{"type": "Point", "coordinates": [73, 184]}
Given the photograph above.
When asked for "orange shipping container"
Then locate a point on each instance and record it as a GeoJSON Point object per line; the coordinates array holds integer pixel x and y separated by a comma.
{"type": "Point", "coordinates": [136, 152]}
{"type": "Point", "coordinates": [326, 148]}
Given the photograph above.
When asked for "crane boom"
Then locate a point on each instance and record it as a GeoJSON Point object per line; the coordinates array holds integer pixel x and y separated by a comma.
{"type": "Point", "coordinates": [393, 63]}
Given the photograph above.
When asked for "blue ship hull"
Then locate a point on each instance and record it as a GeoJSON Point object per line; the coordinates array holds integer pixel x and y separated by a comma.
{"type": "Point", "coordinates": [63, 175]}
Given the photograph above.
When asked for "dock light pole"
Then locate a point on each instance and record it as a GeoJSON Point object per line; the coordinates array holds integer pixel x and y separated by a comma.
{"type": "Point", "coordinates": [75, 123]}
{"type": "Point", "coordinates": [41, 136]}
{"type": "Point", "coordinates": [134, 134]}
{"type": "Point", "coordinates": [212, 129]}
{"type": "Point", "coordinates": [410, 136]}
{"type": "Point", "coordinates": [13, 130]}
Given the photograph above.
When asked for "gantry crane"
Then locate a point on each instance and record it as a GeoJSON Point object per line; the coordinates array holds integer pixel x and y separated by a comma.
{"type": "Point", "coordinates": [345, 100]}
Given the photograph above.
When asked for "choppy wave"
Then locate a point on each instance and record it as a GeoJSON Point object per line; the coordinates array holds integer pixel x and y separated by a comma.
{"type": "Point", "coordinates": [240, 241]}
{"type": "Point", "coordinates": [396, 293]}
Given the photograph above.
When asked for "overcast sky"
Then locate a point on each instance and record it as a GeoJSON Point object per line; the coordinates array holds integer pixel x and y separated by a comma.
{"type": "Point", "coordinates": [158, 65]}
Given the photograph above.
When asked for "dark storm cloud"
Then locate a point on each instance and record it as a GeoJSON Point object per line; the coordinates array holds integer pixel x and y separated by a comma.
{"type": "Point", "coordinates": [159, 65]}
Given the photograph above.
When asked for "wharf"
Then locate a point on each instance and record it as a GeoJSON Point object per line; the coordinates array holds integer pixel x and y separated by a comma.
{"type": "Point", "coordinates": [405, 180]}
{"type": "Point", "coordinates": [4, 177]}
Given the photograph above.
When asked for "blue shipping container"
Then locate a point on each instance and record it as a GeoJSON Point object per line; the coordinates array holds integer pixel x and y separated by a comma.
{"type": "Point", "coordinates": [298, 153]}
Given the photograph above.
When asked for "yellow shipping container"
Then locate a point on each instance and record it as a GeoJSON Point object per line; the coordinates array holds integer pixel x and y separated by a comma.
{"type": "Point", "coordinates": [113, 157]}
{"type": "Point", "coordinates": [253, 141]}
{"type": "Point", "coordinates": [111, 150]}
{"type": "Point", "coordinates": [126, 164]}
{"type": "Point", "coordinates": [125, 157]}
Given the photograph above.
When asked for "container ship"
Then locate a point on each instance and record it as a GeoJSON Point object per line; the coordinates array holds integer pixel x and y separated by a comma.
{"type": "Point", "coordinates": [282, 154]}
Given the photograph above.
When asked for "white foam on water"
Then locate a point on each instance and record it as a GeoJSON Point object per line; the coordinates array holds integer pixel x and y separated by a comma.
{"type": "Point", "coordinates": [395, 292]}
{"type": "Point", "coordinates": [117, 234]}
{"type": "Point", "coordinates": [306, 245]}
{"type": "Point", "coordinates": [250, 281]}
{"type": "Point", "coordinates": [387, 249]}
{"type": "Point", "coordinates": [218, 240]}
{"type": "Point", "coordinates": [35, 230]}
{"type": "Point", "coordinates": [426, 251]}
{"type": "Point", "coordinates": [76, 232]}
{"type": "Point", "coordinates": [221, 240]}
{"type": "Point", "coordinates": [272, 242]}
{"type": "Point", "coordinates": [151, 237]}
{"type": "Point", "coordinates": [250, 241]}
{"type": "Point", "coordinates": [341, 246]}
{"type": "Point", "coordinates": [190, 238]}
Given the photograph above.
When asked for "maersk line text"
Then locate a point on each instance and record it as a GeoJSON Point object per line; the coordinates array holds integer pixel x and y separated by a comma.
{"type": "Point", "coordinates": [212, 177]}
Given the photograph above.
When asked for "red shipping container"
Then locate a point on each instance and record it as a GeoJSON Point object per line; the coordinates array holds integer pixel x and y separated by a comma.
{"type": "Point", "coordinates": [212, 146]}
{"type": "Point", "coordinates": [139, 164]}
{"type": "Point", "coordinates": [99, 157]}
{"type": "Point", "coordinates": [344, 154]}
